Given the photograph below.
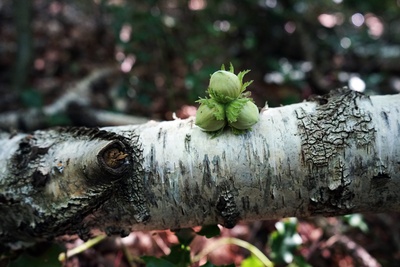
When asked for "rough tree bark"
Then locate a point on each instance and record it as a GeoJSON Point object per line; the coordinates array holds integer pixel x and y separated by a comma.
{"type": "Point", "coordinates": [334, 155]}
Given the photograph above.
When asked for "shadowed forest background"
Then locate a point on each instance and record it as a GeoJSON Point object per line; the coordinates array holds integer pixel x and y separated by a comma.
{"type": "Point", "coordinates": [162, 54]}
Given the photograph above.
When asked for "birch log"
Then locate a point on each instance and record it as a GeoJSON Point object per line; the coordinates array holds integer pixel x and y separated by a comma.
{"type": "Point", "coordinates": [335, 155]}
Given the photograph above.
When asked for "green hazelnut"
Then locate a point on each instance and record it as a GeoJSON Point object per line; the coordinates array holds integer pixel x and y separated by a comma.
{"type": "Point", "coordinates": [226, 86]}
{"type": "Point", "coordinates": [211, 115]}
{"type": "Point", "coordinates": [242, 113]}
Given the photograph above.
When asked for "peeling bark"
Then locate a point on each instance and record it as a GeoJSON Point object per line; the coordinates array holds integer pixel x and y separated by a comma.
{"type": "Point", "coordinates": [335, 155]}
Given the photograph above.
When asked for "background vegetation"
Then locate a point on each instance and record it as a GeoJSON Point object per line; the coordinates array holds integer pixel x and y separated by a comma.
{"type": "Point", "coordinates": [165, 52]}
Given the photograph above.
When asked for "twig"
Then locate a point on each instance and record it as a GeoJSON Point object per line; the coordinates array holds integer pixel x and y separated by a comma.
{"type": "Point", "coordinates": [357, 251]}
{"type": "Point", "coordinates": [79, 249]}
{"type": "Point", "coordinates": [234, 241]}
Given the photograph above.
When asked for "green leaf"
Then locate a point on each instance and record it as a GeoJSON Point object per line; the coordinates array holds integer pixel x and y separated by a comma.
{"type": "Point", "coordinates": [179, 255]}
{"type": "Point", "coordinates": [185, 235]}
{"type": "Point", "coordinates": [209, 264]}
{"type": "Point", "coordinates": [284, 241]}
{"type": "Point", "coordinates": [32, 98]}
{"type": "Point", "coordinates": [239, 132]}
{"type": "Point", "coordinates": [299, 262]}
{"type": "Point", "coordinates": [252, 261]}
{"type": "Point", "coordinates": [39, 257]}
{"type": "Point", "coordinates": [244, 86]}
{"type": "Point", "coordinates": [156, 262]}
{"type": "Point", "coordinates": [58, 120]}
{"type": "Point", "coordinates": [209, 231]}
{"type": "Point", "coordinates": [231, 69]}
{"type": "Point", "coordinates": [241, 75]}
{"type": "Point", "coordinates": [357, 221]}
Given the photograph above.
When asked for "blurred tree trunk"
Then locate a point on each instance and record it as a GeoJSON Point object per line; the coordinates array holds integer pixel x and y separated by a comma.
{"type": "Point", "coordinates": [23, 63]}
{"type": "Point", "coordinates": [335, 155]}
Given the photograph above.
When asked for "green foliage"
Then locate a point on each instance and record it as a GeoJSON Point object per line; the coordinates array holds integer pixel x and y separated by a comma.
{"type": "Point", "coordinates": [185, 235]}
{"type": "Point", "coordinates": [39, 257]}
{"type": "Point", "coordinates": [209, 231]}
{"type": "Point", "coordinates": [276, 37]}
{"type": "Point", "coordinates": [299, 261]}
{"type": "Point", "coordinates": [209, 264]}
{"type": "Point", "coordinates": [59, 120]}
{"type": "Point", "coordinates": [179, 256]}
{"type": "Point", "coordinates": [32, 98]}
{"type": "Point", "coordinates": [177, 46]}
{"type": "Point", "coordinates": [357, 221]}
{"type": "Point", "coordinates": [252, 261]}
{"type": "Point", "coordinates": [284, 241]}
{"type": "Point", "coordinates": [156, 262]}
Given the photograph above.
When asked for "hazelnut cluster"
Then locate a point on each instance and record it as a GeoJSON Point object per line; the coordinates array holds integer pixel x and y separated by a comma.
{"type": "Point", "coordinates": [228, 104]}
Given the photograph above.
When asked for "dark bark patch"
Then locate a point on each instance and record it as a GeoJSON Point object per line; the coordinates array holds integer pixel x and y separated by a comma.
{"type": "Point", "coordinates": [381, 176]}
{"type": "Point", "coordinates": [245, 203]}
{"type": "Point", "coordinates": [216, 163]}
{"type": "Point", "coordinates": [226, 206]}
{"type": "Point", "coordinates": [398, 128]}
{"type": "Point", "coordinates": [335, 123]}
{"type": "Point", "coordinates": [336, 201]}
{"type": "Point", "coordinates": [90, 134]}
{"type": "Point", "coordinates": [37, 151]}
{"type": "Point", "coordinates": [28, 151]}
{"type": "Point", "coordinates": [40, 179]}
{"type": "Point", "coordinates": [385, 118]}
{"type": "Point", "coordinates": [150, 176]}
{"type": "Point", "coordinates": [159, 133]}
{"type": "Point", "coordinates": [207, 176]}
{"type": "Point", "coordinates": [380, 180]}
{"type": "Point", "coordinates": [119, 231]}
{"type": "Point", "coordinates": [188, 138]}
{"type": "Point", "coordinates": [182, 168]}
{"type": "Point", "coordinates": [23, 154]}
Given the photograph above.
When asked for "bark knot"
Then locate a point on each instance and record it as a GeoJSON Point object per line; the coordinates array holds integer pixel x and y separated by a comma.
{"type": "Point", "coordinates": [75, 178]}
{"type": "Point", "coordinates": [114, 158]}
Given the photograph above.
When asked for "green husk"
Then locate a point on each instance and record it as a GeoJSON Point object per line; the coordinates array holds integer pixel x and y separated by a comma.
{"type": "Point", "coordinates": [229, 104]}
{"type": "Point", "coordinates": [242, 113]}
{"type": "Point", "coordinates": [224, 86]}
{"type": "Point", "coordinates": [211, 115]}
{"type": "Point", "coordinates": [234, 108]}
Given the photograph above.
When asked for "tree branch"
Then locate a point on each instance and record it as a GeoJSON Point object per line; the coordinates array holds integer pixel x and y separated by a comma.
{"type": "Point", "coordinates": [75, 104]}
{"type": "Point", "coordinates": [335, 155]}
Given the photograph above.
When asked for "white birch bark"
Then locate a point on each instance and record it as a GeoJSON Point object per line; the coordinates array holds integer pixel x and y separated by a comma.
{"type": "Point", "coordinates": [335, 155]}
